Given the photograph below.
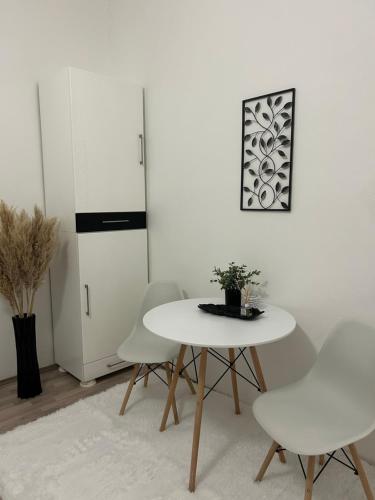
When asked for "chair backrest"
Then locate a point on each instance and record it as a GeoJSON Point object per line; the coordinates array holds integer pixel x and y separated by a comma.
{"type": "Point", "coordinates": [346, 363]}
{"type": "Point", "coordinates": [156, 294]}
{"type": "Point", "coordinates": [142, 343]}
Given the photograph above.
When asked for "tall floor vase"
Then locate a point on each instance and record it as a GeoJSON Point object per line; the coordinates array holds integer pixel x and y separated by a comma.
{"type": "Point", "coordinates": [28, 376]}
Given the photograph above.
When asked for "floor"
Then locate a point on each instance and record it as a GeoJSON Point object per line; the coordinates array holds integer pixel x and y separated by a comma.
{"type": "Point", "coordinates": [86, 451]}
{"type": "Point", "coordinates": [59, 390]}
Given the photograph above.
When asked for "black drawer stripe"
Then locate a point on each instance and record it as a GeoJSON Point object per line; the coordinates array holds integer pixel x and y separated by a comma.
{"type": "Point", "coordinates": [109, 221]}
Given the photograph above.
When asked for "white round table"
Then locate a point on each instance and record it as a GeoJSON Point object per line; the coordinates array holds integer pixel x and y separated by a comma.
{"type": "Point", "coordinates": [184, 323]}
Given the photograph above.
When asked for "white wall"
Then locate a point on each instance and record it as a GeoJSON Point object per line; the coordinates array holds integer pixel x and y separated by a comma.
{"type": "Point", "coordinates": [37, 37]}
{"type": "Point", "coordinates": [198, 60]}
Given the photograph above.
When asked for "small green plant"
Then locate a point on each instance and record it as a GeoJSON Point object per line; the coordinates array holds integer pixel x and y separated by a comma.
{"type": "Point", "coordinates": [235, 277]}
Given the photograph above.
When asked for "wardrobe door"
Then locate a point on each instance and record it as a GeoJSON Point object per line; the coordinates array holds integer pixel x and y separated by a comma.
{"type": "Point", "coordinates": [113, 276]}
{"type": "Point", "coordinates": [108, 149]}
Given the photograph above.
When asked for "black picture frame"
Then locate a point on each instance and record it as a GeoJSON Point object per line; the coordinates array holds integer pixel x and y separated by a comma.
{"type": "Point", "coordinates": [267, 152]}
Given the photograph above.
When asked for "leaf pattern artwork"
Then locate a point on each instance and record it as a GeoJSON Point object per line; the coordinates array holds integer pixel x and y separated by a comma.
{"type": "Point", "coordinates": [267, 151]}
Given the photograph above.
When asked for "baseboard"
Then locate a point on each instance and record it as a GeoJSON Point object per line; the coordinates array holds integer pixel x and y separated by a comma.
{"type": "Point", "coordinates": [42, 370]}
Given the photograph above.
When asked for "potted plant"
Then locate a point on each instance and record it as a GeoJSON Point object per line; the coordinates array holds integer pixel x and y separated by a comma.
{"type": "Point", "coordinates": [27, 244]}
{"type": "Point", "coordinates": [233, 280]}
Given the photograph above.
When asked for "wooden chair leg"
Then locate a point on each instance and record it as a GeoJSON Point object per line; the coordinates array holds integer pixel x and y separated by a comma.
{"type": "Point", "coordinates": [198, 419]}
{"type": "Point", "coordinates": [186, 376]}
{"type": "Point", "coordinates": [282, 456]}
{"type": "Point", "coordinates": [174, 407]}
{"type": "Point", "coordinates": [172, 388]}
{"type": "Point", "coordinates": [232, 357]}
{"type": "Point", "coordinates": [321, 459]}
{"type": "Point", "coordinates": [130, 387]}
{"type": "Point", "coordinates": [309, 478]}
{"type": "Point", "coordinates": [262, 384]}
{"type": "Point", "coordinates": [145, 380]}
{"type": "Point", "coordinates": [361, 472]}
{"type": "Point", "coordinates": [267, 461]}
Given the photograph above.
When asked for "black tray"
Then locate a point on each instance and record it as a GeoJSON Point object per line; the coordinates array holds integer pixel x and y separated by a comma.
{"type": "Point", "coordinates": [230, 311]}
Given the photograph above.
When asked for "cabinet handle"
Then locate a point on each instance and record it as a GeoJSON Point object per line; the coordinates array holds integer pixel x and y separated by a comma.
{"type": "Point", "coordinates": [111, 365]}
{"type": "Point", "coordinates": [114, 221]}
{"type": "Point", "coordinates": [141, 145]}
{"type": "Point", "coordinates": [87, 300]}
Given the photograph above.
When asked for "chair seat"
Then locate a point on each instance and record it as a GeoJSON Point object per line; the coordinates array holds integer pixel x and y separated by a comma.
{"type": "Point", "coordinates": [309, 418]}
{"type": "Point", "coordinates": [146, 347]}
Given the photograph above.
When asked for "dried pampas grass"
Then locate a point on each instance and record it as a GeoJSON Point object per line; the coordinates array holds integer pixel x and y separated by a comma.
{"type": "Point", "coordinates": [27, 245]}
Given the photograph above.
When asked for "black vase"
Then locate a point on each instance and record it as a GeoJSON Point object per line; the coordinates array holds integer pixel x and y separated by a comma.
{"type": "Point", "coordinates": [233, 297]}
{"type": "Point", "coordinates": [28, 376]}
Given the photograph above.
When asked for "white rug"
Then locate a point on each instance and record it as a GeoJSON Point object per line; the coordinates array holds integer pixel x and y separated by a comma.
{"type": "Point", "coordinates": [86, 451]}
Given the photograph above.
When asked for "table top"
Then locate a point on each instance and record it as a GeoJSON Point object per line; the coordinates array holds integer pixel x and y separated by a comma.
{"type": "Point", "coordinates": [184, 323]}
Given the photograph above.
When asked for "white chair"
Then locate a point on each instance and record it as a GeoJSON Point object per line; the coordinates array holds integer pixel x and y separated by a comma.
{"type": "Point", "coordinates": [330, 408]}
{"type": "Point", "coordinates": [146, 349]}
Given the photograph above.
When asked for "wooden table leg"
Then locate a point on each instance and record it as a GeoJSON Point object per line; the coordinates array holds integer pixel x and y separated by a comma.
{"type": "Point", "coordinates": [198, 418]}
{"type": "Point", "coordinates": [234, 381]}
{"type": "Point", "coordinates": [258, 369]}
{"type": "Point", "coordinates": [172, 388]}
{"type": "Point", "coordinates": [174, 406]}
{"type": "Point", "coordinates": [186, 376]}
{"type": "Point", "coordinates": [262, 384]}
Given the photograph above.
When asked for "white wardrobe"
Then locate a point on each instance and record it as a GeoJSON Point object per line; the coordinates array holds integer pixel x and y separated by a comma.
{"type": "Point", "coordinates": [93, 161]}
